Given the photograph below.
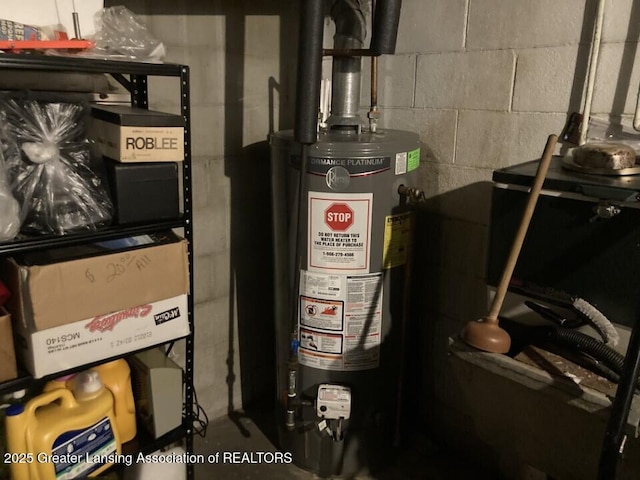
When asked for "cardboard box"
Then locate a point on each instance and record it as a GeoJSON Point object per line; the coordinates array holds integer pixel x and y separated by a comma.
{"type": "Point", "coordinates": [8, 369]}
{"type": "Point", "coordinates": [64, 285]}
{"type": "Point", "coordinates": [104, 336]}
{"type": "Point", "coordinates": [143, 192]}
{"type": "Point", "coordinates": [129, 134]}
{"type": "Point", "coordinates": [37, 12]}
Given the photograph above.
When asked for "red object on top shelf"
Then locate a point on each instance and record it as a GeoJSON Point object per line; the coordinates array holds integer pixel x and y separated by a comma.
{"type": "Point", "coordinates": [18, 45]}
{"type": "Point", "coordinates": [4, 294]}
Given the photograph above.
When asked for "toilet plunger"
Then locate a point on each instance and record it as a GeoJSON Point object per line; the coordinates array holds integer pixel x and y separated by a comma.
{"type": "Point", "coordinates": [486, 334]}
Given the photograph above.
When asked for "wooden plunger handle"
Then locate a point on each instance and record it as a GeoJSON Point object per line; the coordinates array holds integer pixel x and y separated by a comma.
{"type": "Point", "coordinates": [501, 291]}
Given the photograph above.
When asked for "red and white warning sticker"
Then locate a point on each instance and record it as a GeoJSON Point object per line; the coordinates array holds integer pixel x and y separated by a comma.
{"type": "Point", "coordinates": [344, 311]}
{"type": "Point", "coordinates": [320, 342]}
{"type": "Point", "coordinates": [339, 232]}
{"type": "Point", "coordinates": [323, 314]}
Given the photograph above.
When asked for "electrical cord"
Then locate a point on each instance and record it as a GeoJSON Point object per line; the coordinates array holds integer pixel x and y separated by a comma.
{"type": "Point", "coordinates": [168, 351]}
{"type": "Point", "coordinates": [199, 416]}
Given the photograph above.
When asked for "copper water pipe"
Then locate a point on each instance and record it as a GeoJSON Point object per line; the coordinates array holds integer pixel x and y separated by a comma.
{"type": "Point", "coordinates": [374, 114]}
{"type": "Point", "coordinates": [374, 65]}
{"type": "Point", "coordinates": [374, 82]}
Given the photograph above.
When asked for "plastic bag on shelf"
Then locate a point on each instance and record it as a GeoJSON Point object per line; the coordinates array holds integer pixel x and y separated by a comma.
{"type": "Point", "coordinates": [120, 34]}
{"type": "Point", "coordinates": [601, 130]}
{"type": "Point", "coordinates": [48, 162]}
{"type": "Point", "coordinates": [9, 207]}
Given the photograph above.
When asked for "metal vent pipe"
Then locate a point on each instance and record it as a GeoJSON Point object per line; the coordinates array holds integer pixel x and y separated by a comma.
{"type": "Point", "coordinates": [349, 20]}
{"type": "Point", "coordinates": [350, 33]}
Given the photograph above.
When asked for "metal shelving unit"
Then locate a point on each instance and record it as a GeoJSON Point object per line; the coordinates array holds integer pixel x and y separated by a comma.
{"type": "Point", "coordinates": [133, 76]}
{"type": "Point", "coordinates": [580, 203]}
{"type": "Point", "coordinates": [26, 244]}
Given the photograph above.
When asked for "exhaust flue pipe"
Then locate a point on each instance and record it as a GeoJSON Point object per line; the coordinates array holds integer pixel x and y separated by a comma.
{"type": "Point", "coordinates": [350, 25]}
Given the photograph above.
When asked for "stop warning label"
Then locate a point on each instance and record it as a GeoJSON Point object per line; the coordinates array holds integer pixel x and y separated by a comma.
{"type": "Point", "coordinates": [338, 216]}
{"type": "Point", "coordinates": [339, 231]}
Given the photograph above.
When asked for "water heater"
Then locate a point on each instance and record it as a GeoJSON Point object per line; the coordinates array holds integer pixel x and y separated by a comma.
{"type": "Point", "coordinates": [348, 302]}
{"type": "Point", "coordinates": [342, 234]}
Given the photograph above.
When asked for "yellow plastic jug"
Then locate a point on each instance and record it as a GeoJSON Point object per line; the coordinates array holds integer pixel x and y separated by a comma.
{"type": "Point", "coordinates": [60, 382]}
{"type": "Point", "coordinates": [62, 434]}
{"type": "Point", "coordinates": [116, 376]}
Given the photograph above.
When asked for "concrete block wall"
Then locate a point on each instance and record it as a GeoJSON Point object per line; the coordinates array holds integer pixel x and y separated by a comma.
{"type": "Point", "coordinates": [484, 82]}
{"type": "Point", "coordinates": [242, 62]}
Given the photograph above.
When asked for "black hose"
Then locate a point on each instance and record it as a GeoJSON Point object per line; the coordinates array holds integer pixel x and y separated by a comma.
{"type": "Point", "coordinates": [586, 361]}
{"type": "Point", "coordinates": [614, 435]}
{"type": "Point", "coordinates": [589, 345]}
{"type": "Point", "coordinates": [599, 368]}
{"type": "Point", "coordinates": [591, 352]}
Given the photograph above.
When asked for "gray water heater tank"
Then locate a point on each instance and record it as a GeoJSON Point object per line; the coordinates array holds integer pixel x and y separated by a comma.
{"type": "Point", "coordinates": [349, 302]}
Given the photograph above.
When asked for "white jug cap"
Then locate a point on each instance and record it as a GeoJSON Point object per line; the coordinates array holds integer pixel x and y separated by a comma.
{"type": "Point", "coordinates": [18, 394]}
{"type": "Point", "coordinates": [87, 383]}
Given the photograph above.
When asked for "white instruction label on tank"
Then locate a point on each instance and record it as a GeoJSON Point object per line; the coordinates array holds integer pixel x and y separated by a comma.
{"type": "Point", "coordinates": [320, 342]}
{"type": "Point", "coordinates": [401, 163]}
{"type": "Point", "coordinates": [322, 285]}
{"type": "Point", "coordinates": [339, 236]}
{"type": "Point", "coordinates": [340, 320]}
{"type": "Point", "coordinates": [363, 322]}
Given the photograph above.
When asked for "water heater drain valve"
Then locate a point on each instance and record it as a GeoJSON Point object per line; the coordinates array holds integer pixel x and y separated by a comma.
{"type": "Point", "coordinates": [334, 402]}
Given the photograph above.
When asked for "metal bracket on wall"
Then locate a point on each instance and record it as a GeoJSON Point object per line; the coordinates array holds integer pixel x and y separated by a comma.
{"type": "Point", "coordinates": [122, 80]}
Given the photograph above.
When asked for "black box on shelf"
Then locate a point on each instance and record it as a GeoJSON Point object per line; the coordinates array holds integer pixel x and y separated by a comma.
{"type": "Point", "coordinates": [143, 192]}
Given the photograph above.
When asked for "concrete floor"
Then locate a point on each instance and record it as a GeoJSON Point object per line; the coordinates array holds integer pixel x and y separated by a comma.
{"type": "Point", "coordinates": [424, 460]}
